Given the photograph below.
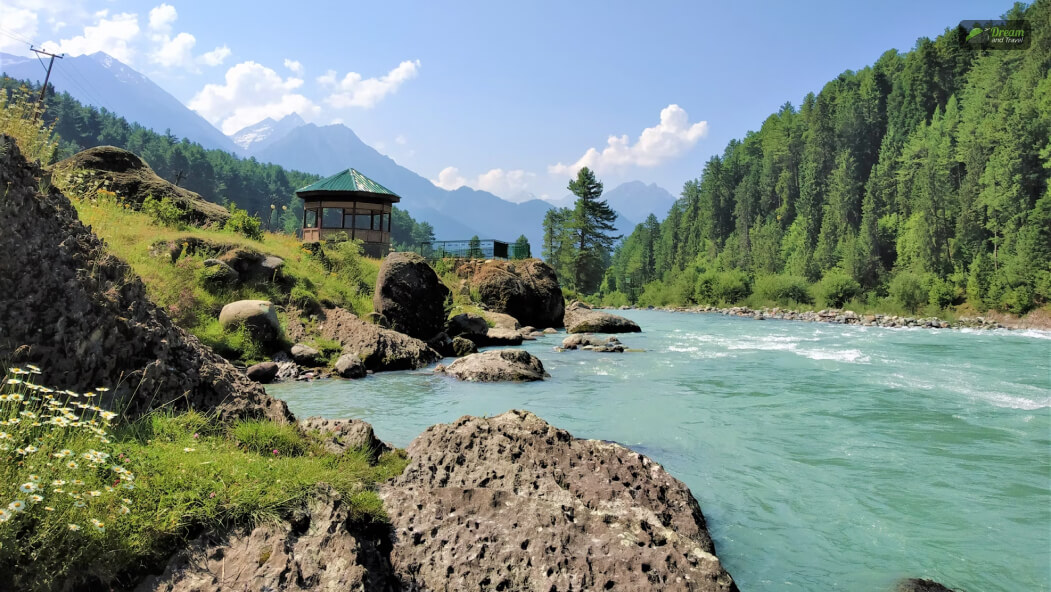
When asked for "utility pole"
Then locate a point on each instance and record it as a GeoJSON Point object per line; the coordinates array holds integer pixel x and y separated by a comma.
{"type": "Point", "coordinates": [43, 89]}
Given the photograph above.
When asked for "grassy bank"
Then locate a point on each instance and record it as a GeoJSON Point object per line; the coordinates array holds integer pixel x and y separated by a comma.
{"type": "Point", "coordinates": [89, 499]}
{"type": "Point", "coordinates": [334, 274]}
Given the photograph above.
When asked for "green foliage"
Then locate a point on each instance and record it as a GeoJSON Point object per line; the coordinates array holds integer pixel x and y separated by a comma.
{"type": "Point", "coordinates": [909, 290]}
{"type": "Point", "coordinates": [330, 349]}
{"type": "Point", "coordinates": [722, 287]}
{"type": "Point", "coordinates": [615, 300]}
{"type": "Point", "coordinates": [304, 298]}
{"type": "Point", "coordinates": [786, 290]}
{"type": "Point", "coordinates": [520, 249]}
{"type": "Point", "coordinates": [19, 118]}
{"type": "Point", "coordinates": [577, 242]}
{"type": "Point", "coordinates": [237, 344]}
{"type": "Point", "coordinates": [163, 211]}
{"type": "Point", "coordinates": [836, 288]}
{"type": "Point", "coordinates": [933, 162]}
{"type": "Point", "coordinates": [241, 223]}
{"type": "Point", "coordinates": [474, 248]}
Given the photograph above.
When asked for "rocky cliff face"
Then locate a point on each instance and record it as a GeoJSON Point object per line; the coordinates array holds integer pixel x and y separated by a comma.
{"type": "Point", "coordinates": [512, 503]}
{"type": "Point", "coordinates": [83, 317]}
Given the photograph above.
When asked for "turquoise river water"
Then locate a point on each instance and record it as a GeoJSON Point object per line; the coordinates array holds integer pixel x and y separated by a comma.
{"type": "Point", "coordinates": [824, 457]}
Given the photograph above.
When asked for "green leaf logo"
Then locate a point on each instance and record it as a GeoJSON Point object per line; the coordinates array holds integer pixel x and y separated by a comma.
{"type": "Point", "coordinates": [975, 32]}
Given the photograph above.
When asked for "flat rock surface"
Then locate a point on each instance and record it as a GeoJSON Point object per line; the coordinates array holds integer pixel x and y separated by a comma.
{"type": "Point", "coordinates": [513, 503]}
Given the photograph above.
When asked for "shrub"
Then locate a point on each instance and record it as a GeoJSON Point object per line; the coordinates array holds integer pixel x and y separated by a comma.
{"type": "Point", "coordinates": [241, 223]}
{"type": "Point", "coordinates": [783, 289]}
{"type": "Point", "coordinates": [615, 300]}
{"type": "Point", "coordinates": [836, 288]}
{"type": "Point", "coordinates": [908, 290]}
{"type": "Point", "coordinates": [303, 298]}
{"type": "Point", "coordinates": [18, 119]}
{"type": "Point", "coordinates": [1017, 300]}
{"type": "Point", "coordinates": [941, 293]}
{"type": "Point", "coordinates": [164, 211]}
{"type": "Point", "coordinates": [722, 287]}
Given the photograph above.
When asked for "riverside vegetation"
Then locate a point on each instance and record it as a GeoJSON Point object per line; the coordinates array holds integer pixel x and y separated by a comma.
{"type": "Point", "coordinates": [917, 184]}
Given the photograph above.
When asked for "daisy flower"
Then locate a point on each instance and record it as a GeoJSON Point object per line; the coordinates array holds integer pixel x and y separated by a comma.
{"type": "Point", "coordinates": [27, 487]}
{"type": "Point", "coordinates": [123, 510]}
{"type": "Point", "coordinates": [16, 506]}
{"type": "Point", "coordinates": [73, 527]}
{"type": "Point", "coordinates": [99, 525]}
{"type": "Point", "coordinates": [36, 498]}
{"type": "Point", "coordinates": [5, 515]}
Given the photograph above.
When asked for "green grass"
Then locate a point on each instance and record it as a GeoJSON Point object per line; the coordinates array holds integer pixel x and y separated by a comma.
{"type": "Point", "coordinates": [338, 277]}
{"type": "Point", "coordinates": [189, 473]}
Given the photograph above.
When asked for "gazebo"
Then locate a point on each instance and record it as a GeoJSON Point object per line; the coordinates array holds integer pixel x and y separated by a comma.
{"type": "Point", "coordinates": [349, 203]}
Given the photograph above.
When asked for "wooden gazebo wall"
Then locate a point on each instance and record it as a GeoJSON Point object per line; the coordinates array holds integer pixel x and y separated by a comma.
{"type": "Point", "coordinates": [368, 221]}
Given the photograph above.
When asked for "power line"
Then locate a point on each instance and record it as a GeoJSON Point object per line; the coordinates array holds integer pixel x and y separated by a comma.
{"type": "Point", "coordinates": [43, 88]}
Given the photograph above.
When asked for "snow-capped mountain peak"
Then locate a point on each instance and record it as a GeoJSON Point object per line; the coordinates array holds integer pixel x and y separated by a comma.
{"type": "Point", "coordinates": [267, 131]}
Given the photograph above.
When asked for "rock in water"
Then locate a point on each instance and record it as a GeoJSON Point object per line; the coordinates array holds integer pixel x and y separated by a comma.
{"type": "Point", "coordinates": [304, 355]}
{"type": "Point", "coordinates": [528, 290]}
{"type": "Point", "coordinates": [350, 366]}
{"type": "Point", "coordinates": [512, 503]}
{"type": "Point", "coordinates": [581, 319]}
{"type": "Point", "coordinates": [497, 366]}
{"type": "Point", "coordinates": [380, 349]}
{"type": "Point", "coordinates": [463, 347]}
{"type": "Point", "coordinates": [920, 585]}
{"type": "Point", "coordinates": [83, 317]}
{"type": "Point", "coordinates": [466, 325]}
{"type": "Point", "coordinates": [263, 372]}
{"type": "Point", "coordinates": [258, 316]}
{"type": "Point", "coordinates": [410, 295]}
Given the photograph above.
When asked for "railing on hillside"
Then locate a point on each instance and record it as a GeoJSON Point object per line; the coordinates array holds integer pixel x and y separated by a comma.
{"type": "Point", "coordinates": [482, 249]}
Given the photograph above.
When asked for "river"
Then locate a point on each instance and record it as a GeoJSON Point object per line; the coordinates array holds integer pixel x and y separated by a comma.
{"type": "Point", "coordinates": [825, 457]}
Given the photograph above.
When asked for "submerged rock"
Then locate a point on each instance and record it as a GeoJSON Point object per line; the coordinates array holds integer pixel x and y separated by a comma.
{"type": "Point", "coordinates": [512, 503]}
{"type": "Point", "coordinates": [593, 343]}
{"type": "Point", "coordinates": [497, 366]}
{"type": "Point", "coordinates": [84, 317]}
{"type": "Point", "coordinates": [580, 318]}
{"type": "Point", "coordinates": [920, 585]}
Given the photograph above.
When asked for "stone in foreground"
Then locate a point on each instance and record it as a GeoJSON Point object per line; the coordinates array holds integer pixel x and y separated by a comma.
{"type": "Point", "coordinates": [499, 365]}
{"type": "Point", "coordinates": [580, 318]}
{"type": "Point", "coordinates": [512, 503]}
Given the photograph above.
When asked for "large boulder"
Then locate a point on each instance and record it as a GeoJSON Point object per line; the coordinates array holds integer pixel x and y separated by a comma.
{"type": "Point", "coordinates": [378, 348]}
{"type": "Point", "coordinates": [463, 347]}
{"type": "Point", "coordinates": [512, 503]}
{"type": "Point", "coordinates": [497, 366]}
{"type": "Point", "coordinates": [466, 324]}
{"type": "Point", "coordinates": [526, 289]}
{"type": "Point", "coordinates": [83, 316]}
{"type": "Point", "coordinates": [580, 318]}
{"type": "Point", "coordinates": [108, 168]}
{"type": "Point", "coordinates": [410, 295]}
{"type": "Point", "coordinates": [321, 546]}
{"type": "Point", "coordinates": [350, 366]}
{"type": "Point", "coordinates": [258, 316]}
{"type": "Point", "coordinates": [253, 266]}
{"type": "Point", "coordinates": [263, 372]}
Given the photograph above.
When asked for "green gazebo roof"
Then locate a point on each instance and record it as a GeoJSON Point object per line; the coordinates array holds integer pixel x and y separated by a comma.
{"type": "Point", "coordinates": [349, 181]}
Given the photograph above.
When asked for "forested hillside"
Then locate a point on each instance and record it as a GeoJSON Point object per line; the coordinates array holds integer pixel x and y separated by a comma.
{"type": "Point", "coordinates": [217, 175]}
{"type": "Point", "coordinates": [921, 180]}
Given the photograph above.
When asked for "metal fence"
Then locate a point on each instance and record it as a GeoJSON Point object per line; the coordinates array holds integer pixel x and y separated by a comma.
{"type": "Point", "coordinates": [480, 249]}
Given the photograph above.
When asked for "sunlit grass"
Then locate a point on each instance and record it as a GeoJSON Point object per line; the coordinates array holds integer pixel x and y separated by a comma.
{"type": "Point", "coordinates": [112, 503]}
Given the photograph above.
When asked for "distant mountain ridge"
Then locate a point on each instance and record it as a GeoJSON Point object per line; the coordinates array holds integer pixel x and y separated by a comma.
{"type": "Point", "coordinates": [104, 82]}
{"type": "Point", "coordinates": [259, 136]}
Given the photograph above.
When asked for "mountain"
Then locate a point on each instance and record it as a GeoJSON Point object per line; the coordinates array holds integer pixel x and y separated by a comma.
{"type": "Point", "coordinates": [455, 215]}
{"type": "Point", "coordinates": [104, 82]}
{"type": "Point", "coordinates": [266, 132]}
{"type": "Point", "coordinates": [636, 200]}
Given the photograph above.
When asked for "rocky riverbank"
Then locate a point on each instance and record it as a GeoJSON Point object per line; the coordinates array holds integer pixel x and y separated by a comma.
{"type": "Point", "coordinates": [843, 317]}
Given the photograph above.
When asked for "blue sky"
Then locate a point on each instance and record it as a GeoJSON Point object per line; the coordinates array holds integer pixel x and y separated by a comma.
{"type": "Point", "coordinates": [507, 97]}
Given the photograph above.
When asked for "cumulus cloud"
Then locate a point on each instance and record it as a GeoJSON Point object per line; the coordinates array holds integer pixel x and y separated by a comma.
{"type": "Point", "coordinates": [215, 57]}
{"type": "Point", "coordinates": [113, 35]}
{"type": "Point", "coordinates": [295, 66]}
{"type": "Point", "coordinates": [251, 92]}
{"type": "Point", "coordinates": [162, 17]}
{"type": "Point", "coordinates": [355, 91]}
{"type": "Point", "coordinates": [21, 24]}
{"type": "Point", "coordinates": [174, 52]}
{"type": "Point", "coordinates": [671, 137]}
{"type": "Point", "coordinates": [512, 185]}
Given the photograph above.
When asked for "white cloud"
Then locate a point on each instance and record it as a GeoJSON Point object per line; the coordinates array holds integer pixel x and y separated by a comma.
{"type": "Point", "coordinates": [671, 137]}
{"type": "Point", "coordinates": [162, 17]}
{"type": "Point", "coordinates": [252, 92]}
{"type": "Point", "coordinates": [20, 28]}
{"type": "Point", "coordinates": [111, 35]}
{"type": "Point", "coordinates": [174, 52]}
{"type": "Point", "coordinates": [215, 57]}
{"type": "Point", "coordinates": [401, 140]}
{"type": "Point", "coordinates": [294, 66]}
{"type": "Point", "coordinates": [512, 185]}
{"type": "Point", "coordinates": [355, 91]}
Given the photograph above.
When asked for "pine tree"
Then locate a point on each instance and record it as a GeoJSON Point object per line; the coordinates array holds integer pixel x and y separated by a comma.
{"type": "Point", "coordinates": [591, 226]}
